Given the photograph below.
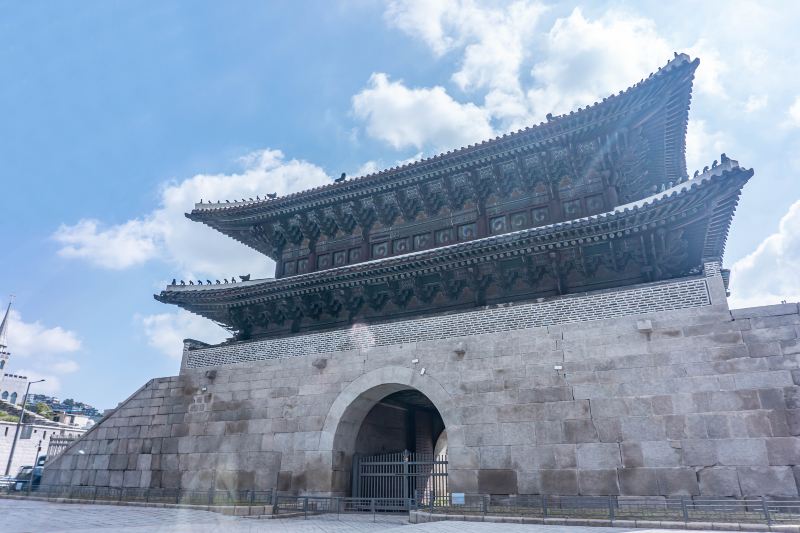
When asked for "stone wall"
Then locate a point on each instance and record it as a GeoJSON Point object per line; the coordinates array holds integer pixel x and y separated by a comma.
{"type": "Point", "coordinates": [697, 400]}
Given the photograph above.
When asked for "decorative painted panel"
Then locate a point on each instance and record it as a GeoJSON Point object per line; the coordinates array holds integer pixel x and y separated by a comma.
{"type": "Point", "coordinates": [355, 255]}
{"type": "Point", "coordinates": [540, 215]}
{"type": "Point", "coordinates": [518, 221]}
{"type": "Point", "coordinates": [422, 241]}
{"type": "Point", "coordinates": [444, 236]}
{"type": "Point", "coordinates": [572, 209]}
{"type": "Point", "coordinates": [340, 258]}
{"type": "Point", "coordinates": [467, 232]}
{"type": "Point", "coordinates": [498, 225]}
{"type": "Point", "coordinates": [594, 204]}
{"type": "Point", "coordinates": [401, 246]}
{"type": "Point", "coordinates": [380, 249]}
{"type": "Point", "coordinates": [323, 261]}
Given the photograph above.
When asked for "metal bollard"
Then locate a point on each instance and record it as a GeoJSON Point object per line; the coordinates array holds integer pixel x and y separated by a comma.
{"type": "Point", "coordinates": [305, 508]}
{"type": "Point", "coordinates": [684, 509]}
{"type": "Point", "coordinates": [544, 506]}
{"type": "Point", "coordinates": [611, 508]}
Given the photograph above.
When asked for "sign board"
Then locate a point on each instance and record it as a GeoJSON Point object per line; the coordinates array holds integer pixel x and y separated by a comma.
{"type": "Point", "coordinates": [27, 431]}
{"type": "Point", "coordinates": [457, 498]}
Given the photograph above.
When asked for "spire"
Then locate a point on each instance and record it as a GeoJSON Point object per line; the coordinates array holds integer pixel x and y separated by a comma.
{"type": "Point", "coordinates": [4, 328]}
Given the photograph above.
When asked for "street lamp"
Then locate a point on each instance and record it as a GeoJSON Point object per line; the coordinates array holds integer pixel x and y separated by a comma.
{"type": "Point", "coordinates": [19, 423]}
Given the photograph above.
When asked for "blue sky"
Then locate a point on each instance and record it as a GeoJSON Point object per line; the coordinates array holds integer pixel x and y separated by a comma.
{"type": "Point", "coordinates": [116, 116]}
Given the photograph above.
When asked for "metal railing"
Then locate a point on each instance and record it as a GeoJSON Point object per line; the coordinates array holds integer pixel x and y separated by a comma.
{"type": "Point", "coordinates": [336, 507]}
{"type": "Point", "coordinates": [685, 509]}
{"type": "Point", "coordinates": [151, 495]}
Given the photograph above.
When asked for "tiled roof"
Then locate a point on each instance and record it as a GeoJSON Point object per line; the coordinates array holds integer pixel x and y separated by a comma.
{"type": "Point", "coordinates": [544, 133]}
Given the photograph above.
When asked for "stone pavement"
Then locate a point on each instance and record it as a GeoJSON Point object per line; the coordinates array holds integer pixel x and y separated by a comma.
{"type": "Point", "coordinates": [20, 516]}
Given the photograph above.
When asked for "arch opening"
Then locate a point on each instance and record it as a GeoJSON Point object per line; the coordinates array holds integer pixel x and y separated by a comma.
{"type": "Point", "coordinates": [402, 422]}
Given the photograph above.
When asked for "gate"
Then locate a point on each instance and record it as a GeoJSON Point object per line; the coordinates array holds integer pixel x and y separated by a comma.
{"type": "Point", "coordinates": [399, 475]}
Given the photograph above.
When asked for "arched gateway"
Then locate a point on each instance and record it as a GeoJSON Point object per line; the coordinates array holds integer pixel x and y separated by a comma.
{"type": "Point", "coordinates": [380, 423]}
{"type": "Point", "coordinates": [553, 299]}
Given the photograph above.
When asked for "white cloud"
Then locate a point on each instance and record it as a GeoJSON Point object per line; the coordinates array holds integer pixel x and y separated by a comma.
{"type": "Point", "coordinates": [756, 102]}
{"type": "Point", "coordinates": [115, 247]}
{"type": "Point", "coordinates": [29, 339]}
{"type": "Point", "coordinates": [495, 42]}
{"type": "Point", "coordinates": [585, 60]}
{"type": "Point", "coordinates": [418, 117]}
{"type": "Point", "coordinates": [191, 247]}
{"type": "Point", "coordinates": [166, 331]}
{"type": "Point", "coordinates": [794, 113]}
{"type": "Point", "coordinates": [768, 275]}
{"type": "Point", "coordinates": [40, 352]}
{"type": "Point", "coordinates": [702, 146]}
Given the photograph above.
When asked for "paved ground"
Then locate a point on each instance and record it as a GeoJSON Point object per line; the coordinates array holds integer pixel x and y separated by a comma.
{"type": "Point", "coordinates": [20, 516]}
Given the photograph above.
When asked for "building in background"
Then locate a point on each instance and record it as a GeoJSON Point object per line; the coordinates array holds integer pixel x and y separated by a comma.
{"type": "Point", "coordinates": [12, 386]}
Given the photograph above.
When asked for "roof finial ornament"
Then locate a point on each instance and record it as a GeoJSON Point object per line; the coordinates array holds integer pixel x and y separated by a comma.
{"type": "Point", "coordinates": [705, 169]}
{"type": "Point", "coordinates": [217, 282]}
{"type": "Point", "coordinates": [341, 178]}
{"type": "Point", "coordinates": [191, 282]}
{"type": "Point", "coordinates": [272, 195]}
{"type": "Point", "coordinates": [549, 117]}
{"type": "Point", "coordinates": [201, 200]}
{"type": "Point", "coordinates": [696, 173]}
{"type": "Point", "coordinates": [173, 281]}
{"type": "Point", "coordinates": [246, 277]}
{"type": "Point", "coordinates": [233, 279]}
{"type": "Point", "coordinates": [724, 158]}
{"type": "Point", "coordinates": [226, 280]}
{"type": "Point", "coordinates": [227, 201]}
{"type": "Point", "coordinates": [208, 282]}
{"type": "Point", "coordinates": [714, 164]}
{"type": "Point", "coordinates": [183, 282]}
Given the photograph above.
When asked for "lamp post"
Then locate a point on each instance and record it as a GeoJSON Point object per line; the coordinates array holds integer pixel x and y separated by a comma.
{"type": "Point", "coordinates": [19, 423]}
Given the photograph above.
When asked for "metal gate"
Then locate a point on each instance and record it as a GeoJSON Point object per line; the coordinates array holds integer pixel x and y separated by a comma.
{"type": "Point", "coordinates": [399, 475]}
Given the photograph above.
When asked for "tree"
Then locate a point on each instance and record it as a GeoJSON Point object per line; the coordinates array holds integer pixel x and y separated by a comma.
{"type": "Point", "coordinates": [44, 410]}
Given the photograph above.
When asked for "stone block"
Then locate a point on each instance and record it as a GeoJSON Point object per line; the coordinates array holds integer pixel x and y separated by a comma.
{"type": "Point", "coordinates": [598, 482]}
{"type": "Point", "coordinates": [699, 452]}
{"type": "Point", "coordinates": [631, 453]}
{"type": "Point", "coordinates": [582, 430]}
{"type": "Point", "coordinates": [677, 482]}
{"type": "Point", "coordinates": [638, 481]}
{"type": "Point", "coordinates": [769, 481]}
{"type": "Point", "coordinates": [497, 482]}
{"type": "Point", "coordinates": [131, 478]}
{"type": "Point", "coordinates": [783, 451]}
{"type": "Point", "coordinates": [608, 429]}
{"type": "Point", "coordinates": [734, 452]}
{"type": "Point", "coordinates": [549, 431]}
{"type": "Point", "coordinates": [598, 456]}
{"type": "Point", "coordinates": [660, 454]}
{"type": "Point", "coordinates": [518, 433]}
{"type": "Point", "coordinates": [719, 482]}
{"type": "Point", "coordinates": [643, 428]}
{"type": "Point", "coordinates": [463, 480]}
{"type": "Point", "coordinates": [560, 482]}
{"type": "Point", "coordinates": [495, 457]}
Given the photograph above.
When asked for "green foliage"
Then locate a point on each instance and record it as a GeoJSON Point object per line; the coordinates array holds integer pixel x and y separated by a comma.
{"type": "Point", "coordinates": [6, 417]}
{"type": "Point", "coordinates": [44, 410]}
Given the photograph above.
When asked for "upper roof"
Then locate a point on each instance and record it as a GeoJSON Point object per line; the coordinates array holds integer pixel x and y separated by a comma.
{"type": "Point", "coordinates": [658, 105]}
